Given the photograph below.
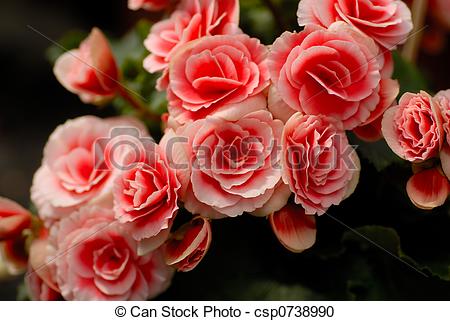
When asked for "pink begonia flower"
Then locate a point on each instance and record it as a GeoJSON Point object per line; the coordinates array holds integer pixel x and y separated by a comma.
{"type": "Point", "coordinates": [193, 19]}
{"type": "Point", "coordinates": [319, 165]}
{"type": "Point", "coordinates": [228, 167]}
{"type": "Point", "coordinates": [89, 71]}
{"type": "Point", "coordinates": [388, 22]}
{"type": "Point", "coordinates": [413, 129]}
{"type": "Point", "coordinates": [76, 170]}
{"type": "Point", "coordinates": [97, 259]}
{"type": "Point", "coordinates": [216, 75]}
{"type": "Point", "coordinates": [336, 72]}
{"type": "Point", "coordinates": [145, 197]}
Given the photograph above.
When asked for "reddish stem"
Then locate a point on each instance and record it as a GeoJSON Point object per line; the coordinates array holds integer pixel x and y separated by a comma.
{"type": "Point", "coordinates": [137, 104]}
{"type": "Point", "coordinates": [412, 46]}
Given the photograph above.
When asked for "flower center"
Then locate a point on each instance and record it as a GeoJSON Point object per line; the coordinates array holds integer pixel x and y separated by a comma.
{"type": "Point", "coordinates": [110, 262]}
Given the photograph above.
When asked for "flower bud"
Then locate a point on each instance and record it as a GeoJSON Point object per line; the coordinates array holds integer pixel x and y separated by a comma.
{"type": "Point", "coordinates": [188, 245]}
{"type": "Point", "coordinates": [89, 71]}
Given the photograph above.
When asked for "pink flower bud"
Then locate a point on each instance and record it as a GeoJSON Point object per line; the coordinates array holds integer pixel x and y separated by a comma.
{"type": "Point", "coordinates": [89, 71]}
{"type": "Point", "coordinates": [187, 246]}
{"type": "Point", "coordinates": [13, 219]}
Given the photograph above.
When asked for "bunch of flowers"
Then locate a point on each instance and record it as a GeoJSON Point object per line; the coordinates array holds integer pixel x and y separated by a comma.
{"type": "Point", "coordinates": [249, 129]}
{"type": "Point", "coordinates": [417, 130]}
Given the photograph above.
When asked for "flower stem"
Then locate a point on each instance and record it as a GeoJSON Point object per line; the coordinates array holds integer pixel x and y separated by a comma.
{"type": "Point", "coordinates": [137, 104]}
{"type": "Point", "coordinates": [412, 46]}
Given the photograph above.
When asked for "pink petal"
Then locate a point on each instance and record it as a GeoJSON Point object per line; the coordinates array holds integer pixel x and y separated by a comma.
{"type": "Point", "coordinates": [293, 228]}
{"type": "Point", "coordinates": [428, 189]}
{"type": "Point", "coordinates": [276, 202]}
{"type": "Point", "coordinates": [370, 132]}
{"type": "Point", "coordinates": [389, 90]}
{"type": "Point", "coordinates": [103, 60]}
{"type": "Point", "coordinates": [277, 106]}
{"type": "Point", "coordinates": [351, 187]}
{"type": "Point", "coordinates": [445, 160]}
{"type": "Point", "coordinates": [148, 245]}
{"type": "Point", "coordinates": [41, 252]}
{"type": "Point", "coordinates": [390, 131]}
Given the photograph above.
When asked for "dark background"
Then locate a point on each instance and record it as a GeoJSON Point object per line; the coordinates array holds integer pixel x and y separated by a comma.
{"type": "Point", "coordinates": [245, 261]}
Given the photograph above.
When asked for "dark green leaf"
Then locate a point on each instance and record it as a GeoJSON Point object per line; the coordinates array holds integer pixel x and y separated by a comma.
{"type": "Point", "coordinates": [69, 41]}
{"type": "Point", "coordinates": [130, 47]}
{"type": "Point", "coordinates": [410, 78]}
{"type": "Point", "coordinates": [381, 268]}
{"type": "Point", "coordinates": [130, 53]}
{"type": "Point", "coordinates": [272, 290]}
{"type": "Point", "coordinates": [377, 153]}
{"type": "Point", "coordinates": [385, 237]}
{"type": "Point", "coordinates": [22, 292]}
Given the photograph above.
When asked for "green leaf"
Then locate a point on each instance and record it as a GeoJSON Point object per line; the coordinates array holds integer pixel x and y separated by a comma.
{"type": "Point", "coordinates": [272, 290]}
{"type": "Point", "coordinates": [439, 268]}
{"type": "Point", "coordinates": [258, 21]}
{"type": "Point", "coordinates": [384, 237]}
{"type": "Point", "coordinates": [130, 53]}
{"type": "Point", "coordinates": [378, 153]}
{"type": "Point", "coordinates": [410, 78]}
{"type": "Point", "coordinates": [130, 48]}
{"type": "Point", "coordinates": [22, 292]}
{"type": "Point", "coordinates": [375, 273]}
{"type": "Point", "coordinates": [363, 283]}
{"type": "Point", "coordinates": [430, 249]}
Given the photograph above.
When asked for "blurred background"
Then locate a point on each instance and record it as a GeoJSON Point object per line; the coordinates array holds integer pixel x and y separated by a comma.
{"type": "Point", "coordinates": [245, 261]}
